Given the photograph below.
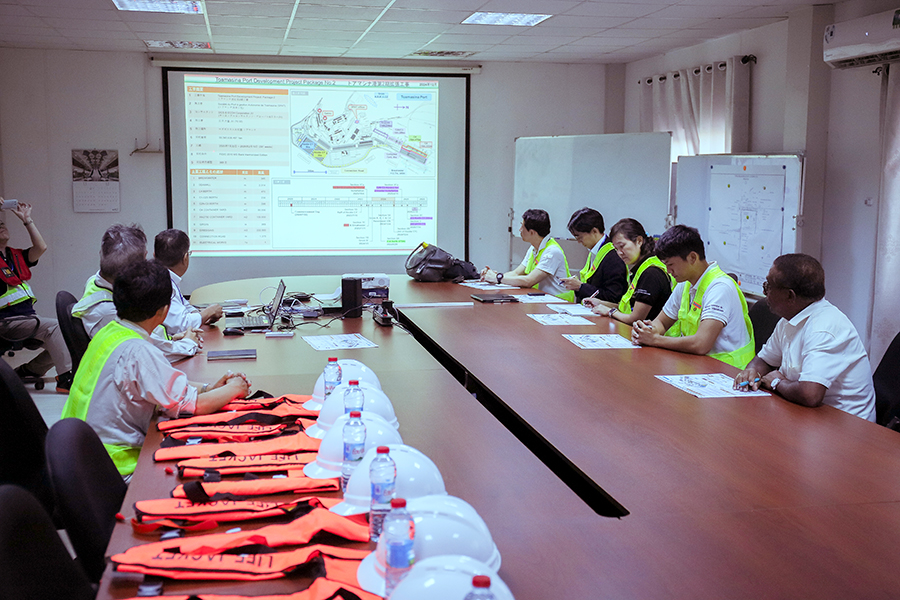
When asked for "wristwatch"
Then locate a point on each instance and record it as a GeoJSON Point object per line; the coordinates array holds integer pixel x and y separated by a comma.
{"type": "Point", "coordinates": [775, 383]}
{"type": "Point", "coordinates": [499, 277]}
{"type": "Point", "coordinates": [611, 312]}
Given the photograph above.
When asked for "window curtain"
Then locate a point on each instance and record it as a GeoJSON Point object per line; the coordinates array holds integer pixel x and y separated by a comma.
{"type": "Point", "coordinates": [707, 108]}
{"type": "Point", "coordinates": [885, 317]}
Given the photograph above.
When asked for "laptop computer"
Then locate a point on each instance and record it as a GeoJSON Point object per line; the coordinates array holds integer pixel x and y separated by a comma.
{"type": "Point", "coordinates": [263, 321]}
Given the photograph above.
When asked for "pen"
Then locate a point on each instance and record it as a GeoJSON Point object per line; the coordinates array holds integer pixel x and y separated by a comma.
{"type": "Point", "coordinates": [594, 295]}
{"type": "Point", "coordinates": [746, 383]}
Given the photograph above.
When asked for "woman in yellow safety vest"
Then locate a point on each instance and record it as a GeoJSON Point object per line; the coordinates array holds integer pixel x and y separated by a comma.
{"type": "Point", "coordinates": [649, 286]}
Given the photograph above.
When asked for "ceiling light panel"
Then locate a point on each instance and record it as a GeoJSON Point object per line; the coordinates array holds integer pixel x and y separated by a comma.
{"type": "Point", "coordinates": [514, 19]}
{"type": "Point", "coordinates": [189, 7]}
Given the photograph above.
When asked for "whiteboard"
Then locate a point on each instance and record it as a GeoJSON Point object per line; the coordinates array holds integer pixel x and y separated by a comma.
{"type": "Point", "coordinates": [621, 175]}
{"type": "Point", "coordinates": [747, 209]}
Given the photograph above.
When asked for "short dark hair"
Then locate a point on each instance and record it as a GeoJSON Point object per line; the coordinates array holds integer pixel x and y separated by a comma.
{"type": "Point", "coordinates": [680, 240]}
{"type": "Point", "coordinates": [170, 246]}
{"type": "Point", "coordinates": [632, 230]}
{"type": "Point", "coordinates": [584, 220]}
{"type": "Point", "coordinates": [801, 273]}
{"type": "Point", "coordinates": [121, 245]}
{"type": "Point", "coordinates": [141, 289]}
{"type": "Point", "coordinates": [537, 220]}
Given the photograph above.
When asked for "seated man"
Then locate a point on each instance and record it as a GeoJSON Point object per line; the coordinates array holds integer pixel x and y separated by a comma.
{"type": "Point", "coordinates": [544, 265]}
{"type": "Point", "coordinates": [604, 274]}
{"type": "Point", "coordinates": [121, 246]}
{"type": "Point", "coordinates": [706, 313]}
{"type": "Point", "coordinates": [123, 378]}
{"type": "Point", "coordinates": [814, 356]}
{"type": "Point", "coordinates": [17, 316]}
{"type": "Point", "coordinates": [172, 248]}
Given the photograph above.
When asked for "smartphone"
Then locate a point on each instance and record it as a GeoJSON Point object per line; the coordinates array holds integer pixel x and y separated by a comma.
{"type": "Point", "coordinates": [9, 204]}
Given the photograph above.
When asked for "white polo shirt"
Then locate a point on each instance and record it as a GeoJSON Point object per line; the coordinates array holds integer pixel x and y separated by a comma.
{"type": "Point", "coordinates": [821, 345]}
{"type": "Point", "coordinates": [552, 261]}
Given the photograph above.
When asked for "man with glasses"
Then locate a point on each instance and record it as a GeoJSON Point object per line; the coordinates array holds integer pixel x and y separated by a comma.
{"type": "Point", "coordinates": [814, 356]}
{"type": "Point", "coordinates": [172, 248]}
{"type": "Point", "coordinates": [604, 274]}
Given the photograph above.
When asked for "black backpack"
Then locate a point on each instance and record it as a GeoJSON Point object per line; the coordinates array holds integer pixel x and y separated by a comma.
{"type": "Point", "coordinates": [429, 263]}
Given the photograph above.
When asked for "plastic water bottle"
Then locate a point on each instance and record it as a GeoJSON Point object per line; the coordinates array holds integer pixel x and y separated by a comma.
{"type": "Point", "coordinates": [331, 375]}
{"type": "Point", "coordinates": [399, 533]}
{"type": "Point", "coordinates": [354, 433]}
{"type": "Point", "coordinates": [383, 475]}
{"type": "Point", "coordinates": [481, 589]}
{"type": "Point", "coordinates": [353, 397]}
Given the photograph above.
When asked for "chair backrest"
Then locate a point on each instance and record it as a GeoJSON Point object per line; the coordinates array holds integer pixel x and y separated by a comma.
{"type": "Point", "coordinates": [34, 563]}
{"type": "Point", "coordinates": [73, 332]}
{"type": "Point", "coordinates": [89, 490]}
{"type": "Point", "coordinates": [763, 321]}
{"type": "Point", "coordinates": [887, 386]}
{"type": "Point", "coordinates": [22, 435]}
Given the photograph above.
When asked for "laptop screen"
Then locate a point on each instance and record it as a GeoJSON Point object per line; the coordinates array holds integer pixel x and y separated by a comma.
{"type": "Point", "coordinates": [276, 301]}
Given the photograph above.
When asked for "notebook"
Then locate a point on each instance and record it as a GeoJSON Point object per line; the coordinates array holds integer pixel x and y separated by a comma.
{"type": "Point", "coordinates": [264, 321]}
{"type": "Point", "coordinates": [241, 354]}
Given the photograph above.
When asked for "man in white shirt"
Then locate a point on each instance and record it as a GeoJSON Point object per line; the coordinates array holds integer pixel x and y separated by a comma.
{"type": "Point", "coordinates": [706, 313]}
{"type": "Point", "coordinates": [814, 356]}
{"type": "Point", "coordinates": [172, 248]}
{"type": "Point", "coordinates": [121, 246]}
{"type": "Point", "coordinates": [544, 266]}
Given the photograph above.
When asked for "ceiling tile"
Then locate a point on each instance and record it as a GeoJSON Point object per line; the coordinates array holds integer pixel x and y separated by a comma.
{"type": "Point", "coordinates": [612, 9]}
{"type": "Point", "coordinates": [541, 7]}
{"type": "Point", "coordinates": [85, 25]}
{"type": "Point", "coordinates": [469, 5]}
{"type": "Point", "coordinates": [427, 16]}
{"type": "Point", "coordinates": [248, 34]}
{"type": "Point", "coordinates": [267, 9]}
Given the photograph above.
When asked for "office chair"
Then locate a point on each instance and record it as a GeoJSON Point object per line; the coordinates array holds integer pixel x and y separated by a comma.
{"type": "Point", "coordinates": [763, 321]}
{"type": "Point", "coordinates": [22, 435]}
{"type": "Point", "coordinates": [10, 346]}
{"type": "Point", "coordinates": [88, 489]}
{"type": "Point", "coordinates": [34, 563]}
{"type": "Point", "coordinates": [73, 332]}
{"type": "Point", "coordinates": [887, 387]}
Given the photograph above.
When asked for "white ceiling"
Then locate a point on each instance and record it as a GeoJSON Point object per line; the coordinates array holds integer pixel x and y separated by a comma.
{"type": "Point", "coordinates": [593, 31]}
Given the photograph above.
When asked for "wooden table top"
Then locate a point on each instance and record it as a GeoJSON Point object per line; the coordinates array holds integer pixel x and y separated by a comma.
{"type": "Point", "coordinates": [728, 498]}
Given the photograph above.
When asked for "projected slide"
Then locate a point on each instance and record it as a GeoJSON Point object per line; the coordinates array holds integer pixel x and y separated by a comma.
{"type": "Point", "coordinates": [308, 165]}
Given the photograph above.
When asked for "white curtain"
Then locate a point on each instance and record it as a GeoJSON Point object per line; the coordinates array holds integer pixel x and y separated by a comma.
{"type": "Point", "coordinates": [885, 316]}
{"type": "Point", "coordinates": [706, 108]}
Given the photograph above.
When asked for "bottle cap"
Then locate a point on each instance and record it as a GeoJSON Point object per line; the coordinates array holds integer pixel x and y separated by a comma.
{"type": "Point", "coordinates": [398, 502]}
{"type": "Point", "coordinates": [355, 414]}
{"type": "Point", "coordinates": [354, 382]}
{"type": "Point", "coordinates": [382, 450]}
{"type": "Point", "coordinates": [332, 359]}
{"type": "Point", "coordinates": [481, 581]}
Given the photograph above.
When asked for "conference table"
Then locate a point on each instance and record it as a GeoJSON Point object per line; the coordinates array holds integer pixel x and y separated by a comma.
{"type": "Point", "coordinates": [596, 479]}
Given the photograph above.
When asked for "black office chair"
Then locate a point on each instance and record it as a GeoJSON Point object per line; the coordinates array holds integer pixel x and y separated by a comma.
{"type": "Point", "coordinates": [763, 321]}
{"type": "Point", "coordinates": [88, 488]}
{"type": "Point", "coordinates": [73, 332]}
{"type": "Point", "coordinates": [10, 345]}
{"type": "Point", "coordinates": [887, 387]}
{"type": "Point", "coordinates": [22, 435]}
{"type": "Point", "coordinates": [34, 563]}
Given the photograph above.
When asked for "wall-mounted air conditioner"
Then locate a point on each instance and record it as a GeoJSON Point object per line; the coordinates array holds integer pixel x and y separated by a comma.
{"type": "Point", "coordinates": [867, 41]}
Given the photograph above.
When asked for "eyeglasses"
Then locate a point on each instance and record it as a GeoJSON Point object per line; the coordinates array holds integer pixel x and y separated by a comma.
{"type": "Point", "coordinates": [770, 286]}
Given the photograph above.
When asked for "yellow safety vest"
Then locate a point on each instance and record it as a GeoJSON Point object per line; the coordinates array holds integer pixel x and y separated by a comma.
{"type": "Point", "coordinates": [568, 296]}
{"type": "Point", "coordinates": [689, 319]}
{"type": "Point", "coordinates": [94, 295]}
{"type": "Point", "coordinates": [99, 350]}
{"type": "Point", "coordinates": [652, 261]}
{"type": "Point", "coordinates": [590, 267]}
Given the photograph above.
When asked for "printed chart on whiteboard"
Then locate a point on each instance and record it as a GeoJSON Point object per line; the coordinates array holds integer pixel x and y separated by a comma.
{"type": "Point", "coordinates": [746, 218]}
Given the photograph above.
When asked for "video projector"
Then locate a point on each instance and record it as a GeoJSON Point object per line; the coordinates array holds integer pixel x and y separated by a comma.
{"type": "Point", "coordinates": [374, 285]}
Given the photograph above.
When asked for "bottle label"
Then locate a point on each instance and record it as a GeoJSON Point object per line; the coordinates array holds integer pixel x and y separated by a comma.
{"type": "Point", "coordinates": [382, 492]}
{"type": "Point", "coordinates": [400, 555]}
{"type": "Point", "coordinates": [354, 452]}
{"type": "Point", "coordinates": [329, 387]}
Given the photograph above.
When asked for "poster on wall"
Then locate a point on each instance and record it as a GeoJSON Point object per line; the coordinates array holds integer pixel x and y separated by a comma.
{"type": "Point", "coordinates": [95, 181]}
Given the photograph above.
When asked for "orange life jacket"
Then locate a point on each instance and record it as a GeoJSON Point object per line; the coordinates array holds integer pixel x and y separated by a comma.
{"type": "Point", "coordinates": [280, 413]}
{"type": "Point", "coordinates": [16, 273]}
{"type": "Point", "coordinates": [284, 444]}
{"type": "Point", "coordinates": [228, 433]}
{"type": "Point", "coordinates": [321, 589]}
{"type": "Point", "coordinates": [198, 491]}
{"type": "Point", "coordinates": [238, 465]}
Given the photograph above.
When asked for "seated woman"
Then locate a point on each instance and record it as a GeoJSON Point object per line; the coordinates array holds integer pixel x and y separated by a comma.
{"type": "Point", "coordinates": [649, 286]}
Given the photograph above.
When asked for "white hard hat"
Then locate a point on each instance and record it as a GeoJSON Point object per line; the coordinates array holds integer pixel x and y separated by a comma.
{"type": "Point", "coordinates": [416, 476]}
{"type": "Point", "coordinates": [447, 577]}
{"type": "Point", "coordinates": [374, 401]}
{"type": "Point", "coordinates": [443, 525]}
{"type": "Point", "coordinates": [331, 451]}
{"type": "Point", "coordinates": [350, 369]}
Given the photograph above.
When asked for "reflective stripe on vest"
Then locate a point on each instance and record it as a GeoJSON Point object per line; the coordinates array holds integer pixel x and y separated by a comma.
{"type": "Point", "coordinates": [98, 352]}
{"type": "Point", "coordinates": [689, 319]}
{"type": "Point", "coordinates": [237, 465]}
{"type": "Point", "coordinates": [651, 261]}
{"type": "Point", "coordinates": [590, 267]}
{"type": "Point", "coordinates": [321, 589]}
{"type": "Point", "coordinates": [284, 410]}
{"type": "Point", "coordinates": [568, 296]}
{"type": "Point", "coordinates": [296, 481]}
{"type": "Point", "coordinates": [93, 295]}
